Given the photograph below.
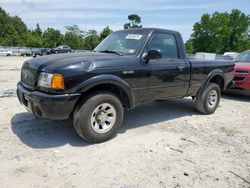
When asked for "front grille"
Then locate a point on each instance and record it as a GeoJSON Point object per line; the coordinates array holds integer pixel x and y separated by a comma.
{"type": "Point", "coordinates": [241, 72]}
{"type": "Point", "coordinates": [28, 76]}
{"type": "Point", "coordinates": [239, 78]}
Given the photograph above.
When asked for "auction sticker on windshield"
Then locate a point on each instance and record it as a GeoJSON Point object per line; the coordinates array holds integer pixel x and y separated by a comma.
{"type": "Point", "coordinates": [134, 36]}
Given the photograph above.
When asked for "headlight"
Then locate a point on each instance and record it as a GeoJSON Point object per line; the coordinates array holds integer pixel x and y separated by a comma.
{"type": "Point", "coordinates": [45, 80]}
{"type": "Point", "coordinates": [53, 81]}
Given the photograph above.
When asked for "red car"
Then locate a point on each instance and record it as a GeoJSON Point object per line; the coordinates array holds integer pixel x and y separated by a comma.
{"type": "Point", "coordinates": [242, 72]}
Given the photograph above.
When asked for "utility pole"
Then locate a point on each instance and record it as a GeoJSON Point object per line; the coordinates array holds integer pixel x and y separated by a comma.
{"type": "Point", "coordinates": [85, 27]}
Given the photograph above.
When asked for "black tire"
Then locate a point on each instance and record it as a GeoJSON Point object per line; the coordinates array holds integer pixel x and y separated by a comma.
{"type": "Point", "coordinates": [207, 101]}
{"type": "Point", "coordinates": [56, 52]}
{"type": "Point", "coordinates": [83, 114]}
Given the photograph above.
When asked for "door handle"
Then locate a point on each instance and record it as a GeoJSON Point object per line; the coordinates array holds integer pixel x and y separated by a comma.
{"type": "Point", "coordinates": [180, 68]}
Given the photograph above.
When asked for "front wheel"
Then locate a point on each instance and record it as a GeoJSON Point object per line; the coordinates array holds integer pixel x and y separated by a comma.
{"type": "Point", "coordinates": [99, 117]}
{"type": "Point", "coordinates": [208, 101]}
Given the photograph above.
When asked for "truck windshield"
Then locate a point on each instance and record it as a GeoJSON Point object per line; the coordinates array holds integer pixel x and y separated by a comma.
{"type": "Point", "coordinates": [243, 57]}
{"type": "Point", "coordinates": [124, 43]}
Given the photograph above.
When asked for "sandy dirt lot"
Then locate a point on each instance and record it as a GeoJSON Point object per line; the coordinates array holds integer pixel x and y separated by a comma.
{"type": "Point", "coordinates": [161, 144]}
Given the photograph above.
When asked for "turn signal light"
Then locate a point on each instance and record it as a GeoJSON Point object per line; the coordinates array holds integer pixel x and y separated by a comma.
{"type": "Point", "coordinates": [57, 81]}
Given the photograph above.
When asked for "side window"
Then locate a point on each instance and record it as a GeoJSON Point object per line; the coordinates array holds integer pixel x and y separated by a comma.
{"type": "Point", "coordinates": [165, 43]}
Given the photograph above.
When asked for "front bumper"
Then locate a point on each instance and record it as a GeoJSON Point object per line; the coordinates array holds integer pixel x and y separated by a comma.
{"type": "Point", "coordinates": [48, 106]}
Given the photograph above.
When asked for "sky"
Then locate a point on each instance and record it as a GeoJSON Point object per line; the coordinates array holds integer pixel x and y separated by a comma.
{"type": "Point", "coordinates": [179, 15]}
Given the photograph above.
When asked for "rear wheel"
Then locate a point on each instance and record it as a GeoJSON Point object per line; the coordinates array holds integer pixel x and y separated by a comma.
{"type": "Point", "coordinates": [99, 117]}
{"type": "Point", "coordinates": [208, 101]}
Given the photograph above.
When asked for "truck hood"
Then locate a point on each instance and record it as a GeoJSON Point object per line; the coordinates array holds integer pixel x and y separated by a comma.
{"type": "Point", "coordinates": [56, 61]}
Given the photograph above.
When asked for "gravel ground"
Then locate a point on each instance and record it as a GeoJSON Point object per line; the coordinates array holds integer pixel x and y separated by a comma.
{"type": "Point", "coordinates": [161, 144]}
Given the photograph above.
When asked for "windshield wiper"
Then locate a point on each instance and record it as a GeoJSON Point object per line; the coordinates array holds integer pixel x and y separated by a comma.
{"type": "Point", "coordinates": [111, 51]}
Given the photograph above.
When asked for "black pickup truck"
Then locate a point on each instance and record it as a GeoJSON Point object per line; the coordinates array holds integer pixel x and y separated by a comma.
{"type": "Point", "coordinates": [127, 68]}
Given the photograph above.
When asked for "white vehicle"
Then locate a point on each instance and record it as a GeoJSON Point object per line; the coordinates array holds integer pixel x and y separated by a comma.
{"type": "Point", "coordinates": [232, 54]}
{"type": "Point", "coordinates": [205, 56]}
{"type": "Point", "coordinates": [4, 52]}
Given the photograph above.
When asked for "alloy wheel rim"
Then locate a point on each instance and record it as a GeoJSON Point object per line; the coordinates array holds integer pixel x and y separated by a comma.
{"type": "Point", "coordinates": [103, 118]}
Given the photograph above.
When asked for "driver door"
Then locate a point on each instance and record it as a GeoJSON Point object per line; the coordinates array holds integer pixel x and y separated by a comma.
{"type": "Point", "coordinates": [169, 76]}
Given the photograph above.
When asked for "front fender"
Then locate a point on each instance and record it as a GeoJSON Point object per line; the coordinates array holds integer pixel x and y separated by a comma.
{"type": "Point", "coordinates": [106, 79]}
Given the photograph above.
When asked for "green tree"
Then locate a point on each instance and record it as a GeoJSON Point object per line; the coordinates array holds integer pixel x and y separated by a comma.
{"type": "Point", "coordinates": [74, 37]}
{"type": "Point", "coordinates": [239, 25]}
{"type": "Point", "coordinates": [74, 29]}
{"type": "Point", "coordinates": [73, 40]}
{"type": "Point", "coordinates": [38, 31]}
{"type": "Point", "coordinates": [105, 32]}
{"type": "Point", "coordinates": [16, 31]}
{"type": "Point", "coordinates": [135, 20]}
{"type": "Point", "coordinates": [92, 40]}
{"type": "Point", "coordinates": [221, 32]}
{"type": "Point", "coordinates": [34, 37]}
{"type": "Point", "coordinates": [189, 47]}
{"type": "Point", "coordinates": [52, 37]}
{"type": "Point", "coordinates": [33, 40]}
{"type": "Point", "coordinates": [12, 30]}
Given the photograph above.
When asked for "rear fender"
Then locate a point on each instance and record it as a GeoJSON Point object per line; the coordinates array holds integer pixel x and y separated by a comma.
{"type": "Point", "coordinates": [211, 75]}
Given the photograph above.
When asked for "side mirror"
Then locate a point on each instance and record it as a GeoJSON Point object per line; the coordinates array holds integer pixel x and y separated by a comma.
{"type": "Point", "coordinates": [152, 54]}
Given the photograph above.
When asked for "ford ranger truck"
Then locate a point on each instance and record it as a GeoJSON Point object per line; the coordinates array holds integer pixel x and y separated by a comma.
{"type": "Point", "coordinates": [126, 69]}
